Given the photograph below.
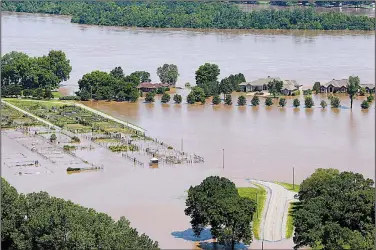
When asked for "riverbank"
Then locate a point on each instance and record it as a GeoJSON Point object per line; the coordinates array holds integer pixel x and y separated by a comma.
{"type": "Point", "coordinates": [217, 15]}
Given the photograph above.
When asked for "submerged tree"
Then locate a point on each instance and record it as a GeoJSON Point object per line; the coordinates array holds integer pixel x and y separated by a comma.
{"type": "Point", "coordinates": [308, 102]}
{"type": "Point", "coordinates": [228, 100]}
{"type": "Point", "coordinates": [335, 102]}
{"type": "Point", "coordinates": [177, 98]}
{"type": "Point", "coordinates": [168, 73]}
{"type": "Point", "coordinates": [282, 102]}
{"type": "Point", "coordinates": [165, 98]}
{"type": "Point", "coordinates": [323, 104]}
{"type": "Point", "coordinates": [255, 101]}
{"type": "Point", "coordinates": [216, 100]}
{"type": "Point", "coordinates": [364, 104]}
{"type": "Point", "coordinates": [268, 101]}
{"type": "Point", "coordinates": [242, 100]}
{"type": "Point", "coordinates": [150, 97]}
{"type": "Point", "coordinates": [352, 88]}
{"type": "Point", "coordinates": [296, 103]}
{"type": "Point", "coordinates": [216, 203]}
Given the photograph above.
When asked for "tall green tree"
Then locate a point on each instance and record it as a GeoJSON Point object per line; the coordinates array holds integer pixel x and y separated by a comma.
{"type": "Point", "coordinates": [353, 87]}
{"type": "Point", "coordinates": [216, 203]}
{"type": "Point", "coordinates": [168, 73]}
{"type": "Point", "coordinates": [59, 64]}
{"type": "Point", "coordinates": [335, 211]}
{"type": "Point", "coordinates": [207, 73]}
{"type": "Point", "coordinates": [275, 87]}
{"type": "Point", "coordinates": [39, 221]}
{"type": "Point", "coordinates": [316, 87]}
{"type": "Point", "coordinates": [117, 72]}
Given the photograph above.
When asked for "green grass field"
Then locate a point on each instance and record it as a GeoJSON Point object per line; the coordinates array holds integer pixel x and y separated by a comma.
{"type": "Point", "coordinates": [288, 186]}
{"type": "Point", "coordinates": [290, 221]}
{"type": "Point", "coordinates": [56, 94]}
{"type": "Point", "coordinates": [252, 193]}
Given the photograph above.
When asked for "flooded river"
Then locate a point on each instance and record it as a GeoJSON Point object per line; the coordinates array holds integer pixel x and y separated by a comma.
{"type": "Point", "coordinates": [262, 143]}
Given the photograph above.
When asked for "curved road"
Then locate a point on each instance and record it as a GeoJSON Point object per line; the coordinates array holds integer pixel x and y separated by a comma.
{"type": "Point", "coordinates": [273, 225]}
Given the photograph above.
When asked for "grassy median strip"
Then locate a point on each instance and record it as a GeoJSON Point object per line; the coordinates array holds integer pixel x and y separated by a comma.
{"type": "Point", "coordinates": [258, 195]}
{"type": "Point", "coordinates": [289, 186]}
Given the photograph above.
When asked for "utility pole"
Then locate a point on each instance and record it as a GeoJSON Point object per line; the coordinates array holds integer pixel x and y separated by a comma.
{"type": "Point", "coordinates": [223, 159]}
{"type": "Point", "coordinates": [262, 245]}
{"type": "Point", "coordinates": [293, 179]}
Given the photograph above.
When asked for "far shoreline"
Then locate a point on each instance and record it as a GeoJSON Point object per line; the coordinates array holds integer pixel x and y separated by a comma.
{"type": "Point", "coordinates": [284, 32]}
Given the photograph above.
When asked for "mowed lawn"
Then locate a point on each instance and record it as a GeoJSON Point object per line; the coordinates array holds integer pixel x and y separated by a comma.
{"type": "Point", "coordinates": [258, 195]}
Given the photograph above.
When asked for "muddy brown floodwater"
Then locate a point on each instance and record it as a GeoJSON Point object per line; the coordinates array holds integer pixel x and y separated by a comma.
{"type": "Point", "coordinates": [259, 143]}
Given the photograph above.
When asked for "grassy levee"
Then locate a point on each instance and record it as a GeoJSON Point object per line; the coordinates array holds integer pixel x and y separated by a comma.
{"type": "Point", "coordinates": [258, 195]}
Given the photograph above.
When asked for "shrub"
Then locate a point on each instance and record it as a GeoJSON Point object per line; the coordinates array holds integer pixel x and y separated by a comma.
{"type": "Point", "coordinates": [68, 147]}
{"type": "Point", "coordinates": [53, 137]}
{"type": "Point", "coordinates": [255, 101]}
{"type": "Point", "coordinates": [282, 102]}
{"type": "Point", "coordinates": [191, 98]}
{"type": "Point", "coordinates": [150, 97]}
{"type": "Point", "coordinates": [242, 100]}
{"type": "Point", "coordinates": [268, 101]}
{"type": "Point", "coordinates": [203, 100]}
{"type": "Point", "coordinates": [48, 94]}
{"type": "Point", "coordinates": [296, 103]}
{"type": "Point", "coordinates": [161, 90]}
{"type": "Point", "coordinates": [295, 93]}
{"type": "Point", "coordinates": [362, 92]}
{"type": "Point", "coordinates": [27, 92]}
{"type": "Point", "coordinates": [75, 139]}
{"type": "Point", "coordinates": [177, 98]}
{"type": "Point", "coordinates": [169, 147]}
{"type": "Point", "coordinates": [364, 105]}
{"type": "Point", "coordinates": [228, 100]}
{"type": "Point", "coordinates": [71, 98]}
{"type": "Point", "coordinates": [187, 85]}
{"type": "Point", "coordinates": [308, 102]}
{"type": "Point", "coordinates": [216, 100]}
{"type": "Point", "coordinates": [335, 102]}
{"type": "Point", "coordinates": [165, 98]}
{"type": "Point", "coordinates": [307, 92]}
{"type": "Point", "coordinates": [370, 98]}
{"type": "Point", "coordinates": [323, 104]}
{"type": "Point", "coordinates": [38, 93]}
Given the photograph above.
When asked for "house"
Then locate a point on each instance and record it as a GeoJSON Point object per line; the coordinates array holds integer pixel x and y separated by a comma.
{"type": "Point", "coordinates": [370, 88]}
{"type": "Point", "coordinates": [289, 86]}
{"type": "Point", "coordinates": [148, 86]}
{"type": "Point", "coordinates": [257, 85]}
{"type": "Point", "coordinates": [335, 86]}
{"type": "Point", "coordinates": [261, 84]}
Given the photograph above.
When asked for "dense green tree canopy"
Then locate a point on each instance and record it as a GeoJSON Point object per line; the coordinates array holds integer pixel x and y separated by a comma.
{"type": "Point", "coordinates": [216, 202]}
{"type": "Point", "coordinates": [39, 221]}
{"type": "Point", "coordinates": [35, 72]}
{"type": "Point", "coordinates": [168, 73]}
{"type": "Point", "coordinates": [197, 94]}
{"type": "Point", "coordinates": [335, 211]}
{"type": "Point", "coordinates": [111, 86]}
{"type": "Point", "coordinates": [217, 15]}
{"type": "Point", "coordinates": [353, 87]}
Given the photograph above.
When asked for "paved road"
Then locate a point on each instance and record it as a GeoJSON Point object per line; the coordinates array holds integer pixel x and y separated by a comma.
{"type": "Point", "coordinates": [273, 226]}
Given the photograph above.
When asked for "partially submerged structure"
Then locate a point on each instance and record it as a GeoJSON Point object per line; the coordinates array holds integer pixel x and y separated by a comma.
{"type": "Point", "coordinates": [340, 86]}
{"type": "Point", "coordinates": [148, 86]}
{"type": "Point", "coordinates": [261, 84]}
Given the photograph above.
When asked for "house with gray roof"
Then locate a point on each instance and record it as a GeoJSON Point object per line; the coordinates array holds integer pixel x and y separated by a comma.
{"type": "Point", "coordinates": [370, 88]}
{"type": "Point", "coordinates": [261, 84]}
{"type": "Point", "coordinates": [335, 86]}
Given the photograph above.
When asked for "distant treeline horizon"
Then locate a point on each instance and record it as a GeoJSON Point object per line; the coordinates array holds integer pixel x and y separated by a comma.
{"type": "Point", "coordinates": [199, 15]}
